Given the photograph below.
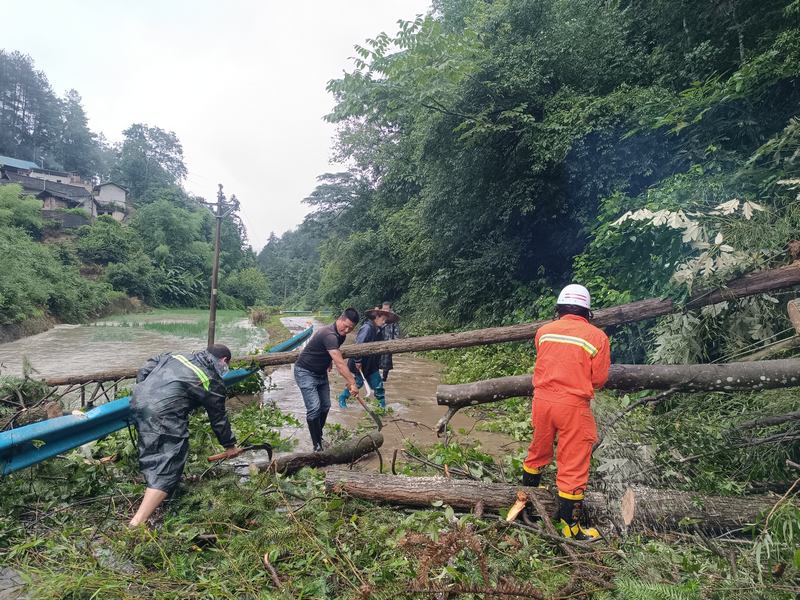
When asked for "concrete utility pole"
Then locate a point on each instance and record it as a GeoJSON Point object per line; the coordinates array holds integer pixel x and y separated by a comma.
{"type": "Point", "coordinates": [218, 216]}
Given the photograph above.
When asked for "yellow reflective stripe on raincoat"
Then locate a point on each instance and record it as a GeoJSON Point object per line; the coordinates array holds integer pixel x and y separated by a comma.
{"type": "Point", "coordinates": [568, 339]}
{"type": "Point", "coordinates": [198, 371]}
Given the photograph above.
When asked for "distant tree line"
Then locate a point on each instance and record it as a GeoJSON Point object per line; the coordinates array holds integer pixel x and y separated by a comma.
{"type": "Point", "coordinates": [162, 254]}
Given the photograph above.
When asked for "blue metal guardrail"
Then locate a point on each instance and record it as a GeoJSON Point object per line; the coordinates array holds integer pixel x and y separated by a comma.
{"type": "Point", "coordinates": [31, 444]}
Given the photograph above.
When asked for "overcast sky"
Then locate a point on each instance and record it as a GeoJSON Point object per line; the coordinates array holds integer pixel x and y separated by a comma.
{"type": "Point", "coordinates": [241, 82]}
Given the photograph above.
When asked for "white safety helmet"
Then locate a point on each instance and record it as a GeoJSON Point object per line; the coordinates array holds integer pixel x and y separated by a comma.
{"type": "Point", "coordinates": [576, 295]}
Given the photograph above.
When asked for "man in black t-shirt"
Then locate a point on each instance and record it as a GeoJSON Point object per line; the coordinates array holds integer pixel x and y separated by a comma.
{"type": "Point", "coordinates": [311, 371]}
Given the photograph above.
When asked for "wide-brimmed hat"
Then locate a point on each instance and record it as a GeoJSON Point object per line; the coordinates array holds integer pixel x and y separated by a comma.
{"type": "Point", "coordinates": [391, 316]}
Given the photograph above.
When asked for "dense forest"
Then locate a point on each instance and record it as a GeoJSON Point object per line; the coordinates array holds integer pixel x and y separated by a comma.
{"type": "Point", "coordinates": [498, 150]}
{"type": "Point", "coordinates": [162, 255]}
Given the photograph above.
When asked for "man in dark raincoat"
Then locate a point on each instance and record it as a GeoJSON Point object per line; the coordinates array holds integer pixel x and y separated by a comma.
{"type": "Point", "coordinates": [168, 388]}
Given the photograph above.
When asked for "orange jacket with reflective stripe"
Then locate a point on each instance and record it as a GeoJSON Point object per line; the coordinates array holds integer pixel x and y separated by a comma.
{"type": "Point", "coordinates": [572, 359]}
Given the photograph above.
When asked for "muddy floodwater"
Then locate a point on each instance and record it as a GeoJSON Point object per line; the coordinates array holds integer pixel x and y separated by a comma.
{"type": "Point", "coordinates": [126, 342]}
{"type": "Point", "coordinates": [123, 342]}
{"type": "Point", "coordinates": [411, 396]}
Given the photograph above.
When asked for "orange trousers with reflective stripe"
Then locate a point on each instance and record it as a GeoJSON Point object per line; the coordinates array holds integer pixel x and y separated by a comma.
{"type": "Point", "coordinates": [572, 421]}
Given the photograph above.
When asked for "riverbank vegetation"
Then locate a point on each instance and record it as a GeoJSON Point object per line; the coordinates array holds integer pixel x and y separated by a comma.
{"type": "Point", "coordinates": [162, 257]}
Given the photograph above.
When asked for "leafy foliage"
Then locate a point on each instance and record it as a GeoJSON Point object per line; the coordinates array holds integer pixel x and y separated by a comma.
{"type": "Point", "coordinates": [36, 280]}
{"type": "Point", "coordinates": [20, 211]}
{"type": "Point", "coordinates": [495, 147]}
{"type": "Point", "coordinates": [148, 157]}
{"type": "Point", "coordinates": [107, 241]}
{"type": "Point", "coordinates": [248, 285]}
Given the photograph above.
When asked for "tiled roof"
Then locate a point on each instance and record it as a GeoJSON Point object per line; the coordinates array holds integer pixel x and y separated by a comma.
{"type": "Point", "coordinates": [17, 163]}
{"type": "Point", "coordinates": [99, 185]}
{"type": "Point", "coordinates": [60, 190]}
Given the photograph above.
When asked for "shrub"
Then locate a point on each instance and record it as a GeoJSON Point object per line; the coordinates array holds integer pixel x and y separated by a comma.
{"type": "Point", "coordinates": [18, 210]}
{"type": "Point", "coordinates": [249, 285]}
{"type": "Point", "coordinates": [107, 241]}
{"type": "Point", "coordinates": [33, 281]}
{"type": "Point", "coordinates": [136, 277]}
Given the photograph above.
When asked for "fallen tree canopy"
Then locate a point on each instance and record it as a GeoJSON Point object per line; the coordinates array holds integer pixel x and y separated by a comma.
{"type": "Point", "coordinates": [749, 285]}
{"type": "Point", "coordinates": [289, 464]}
{"type": "Point", "coordinates": [639, 508]}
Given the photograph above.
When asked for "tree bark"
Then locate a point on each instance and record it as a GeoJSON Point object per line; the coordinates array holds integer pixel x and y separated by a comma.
{"type": "Point", "coordinates": [642, 508]}
{"type": "Point", "coordinates": [749, 285]}
{"type": "Point", "coordinates": [683, 378]}
{"type": "Point", "coordinates": [289, 464]}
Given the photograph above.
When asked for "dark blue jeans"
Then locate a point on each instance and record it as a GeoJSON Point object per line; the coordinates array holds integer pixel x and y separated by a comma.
{"type": "Point", "coordinates": [315, 390]}
{"type": "Point", "coordinates": [375, 382]}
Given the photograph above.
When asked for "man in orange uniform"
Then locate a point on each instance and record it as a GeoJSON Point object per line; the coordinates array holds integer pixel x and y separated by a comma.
{"type": "Point", "coordinates": [572, 360]}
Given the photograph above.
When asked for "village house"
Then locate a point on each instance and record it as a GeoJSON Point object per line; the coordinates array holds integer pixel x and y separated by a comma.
{"type": "Point", "coordinates": [60, 190]}
{"type": "Point", "coordinates": [111, 199]}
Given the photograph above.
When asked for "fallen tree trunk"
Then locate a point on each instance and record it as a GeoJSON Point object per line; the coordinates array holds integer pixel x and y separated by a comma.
{"type": "Point", "coordinates": [761, 375]}
{"type": "Point", "coordinates": [640, 508]}
{"type": "Point", "coordinates": [682, 378]}
{"type": "Point", "coordinates": [289, 464]}
{"type": "Point", "coordinates": [749, 285]}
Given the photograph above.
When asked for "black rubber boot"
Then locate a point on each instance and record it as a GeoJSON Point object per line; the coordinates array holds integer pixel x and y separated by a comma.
{"type": "Point", "coordinates": [316, 433]}
{"type": "Point", "coordinates": [322, 418]}
{"type": "Point", "coordinates": [566, 509]}
{"type": "Point", "coordinates": [570, 527]}
{"type": "Point", "coordinates": [531, 479]}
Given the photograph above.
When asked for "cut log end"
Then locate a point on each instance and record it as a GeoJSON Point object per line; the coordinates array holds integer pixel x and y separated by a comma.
{"type": "Point", "coordinates": [628, 506]}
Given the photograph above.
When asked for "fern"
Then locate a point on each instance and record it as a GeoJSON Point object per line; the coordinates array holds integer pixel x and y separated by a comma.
{"type": "Point", "coordinates": [633, 589]}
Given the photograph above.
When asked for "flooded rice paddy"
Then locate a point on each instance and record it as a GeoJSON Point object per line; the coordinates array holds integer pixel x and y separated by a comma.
{"type": "Point", "coordinates": [125, 341]}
